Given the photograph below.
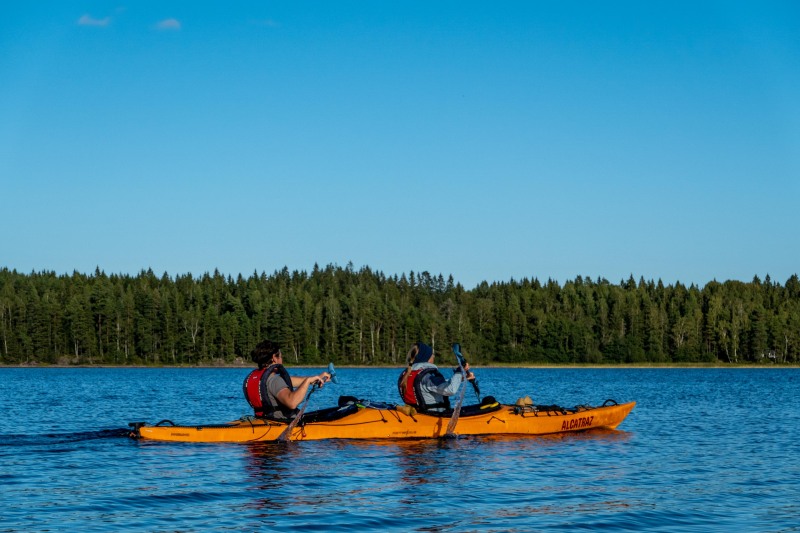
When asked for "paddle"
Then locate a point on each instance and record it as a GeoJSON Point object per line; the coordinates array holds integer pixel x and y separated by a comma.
{"type": "Point", "coordinates": [451, 426]}
{"type": "Point", "coordinates": [462, 363]}
{"type": "Point", "coordinates": [287, 433]}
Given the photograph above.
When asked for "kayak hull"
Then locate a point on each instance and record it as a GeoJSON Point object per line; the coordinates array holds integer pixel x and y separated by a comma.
{"type": "Point", "coordinates": [389, 423]}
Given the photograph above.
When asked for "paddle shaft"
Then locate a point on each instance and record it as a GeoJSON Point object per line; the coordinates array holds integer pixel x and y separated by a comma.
{"type": "Point", "coordinates": [451, 426]}
{"type": "Point", "coordinates": [462, 363]}
{"type": "Point", "coordinates": [287, 433]}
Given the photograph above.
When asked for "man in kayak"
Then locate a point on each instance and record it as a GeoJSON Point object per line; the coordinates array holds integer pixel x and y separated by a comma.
{"type": "Point", "coordinates": [270, 390]}
{"type": "Point", "coordinates": [422, 386]}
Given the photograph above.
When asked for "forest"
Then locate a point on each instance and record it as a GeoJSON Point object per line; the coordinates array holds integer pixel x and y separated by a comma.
{"type": "Point", "coordinates": [364, 317]}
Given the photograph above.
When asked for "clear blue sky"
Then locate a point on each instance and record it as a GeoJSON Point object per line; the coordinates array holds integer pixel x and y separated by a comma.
{"type": "Point", "coordinates": [488, 140]}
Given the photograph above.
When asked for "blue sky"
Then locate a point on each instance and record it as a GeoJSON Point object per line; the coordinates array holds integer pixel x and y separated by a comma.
{"type": "Point", "coordinates": [487, 140]}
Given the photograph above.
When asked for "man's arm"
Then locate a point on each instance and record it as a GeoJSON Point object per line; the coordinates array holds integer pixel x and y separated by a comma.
{"type": "Point", "coordinates": [292, 399]}
{"type": "Point", "coordinates": [444, 387]}
{"type": "Point", "coordinates": [298, 380]}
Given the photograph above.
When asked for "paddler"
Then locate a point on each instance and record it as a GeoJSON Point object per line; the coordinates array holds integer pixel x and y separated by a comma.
{"type": "Point", "coordinates": [270, 390]}
{"type": "Point", "coordinates": [422, 385]}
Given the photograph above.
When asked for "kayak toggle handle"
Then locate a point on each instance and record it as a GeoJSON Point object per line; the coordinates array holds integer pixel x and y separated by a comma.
{"type": "Point", "coordinates": [134, 433]}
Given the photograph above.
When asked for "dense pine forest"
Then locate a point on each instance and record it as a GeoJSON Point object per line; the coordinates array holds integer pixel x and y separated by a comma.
{"type": "Point", "coordinates": [365, 317]}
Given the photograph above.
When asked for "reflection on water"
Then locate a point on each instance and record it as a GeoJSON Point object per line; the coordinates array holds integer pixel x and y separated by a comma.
{"type": "Point", "coordinates": [417, 462]}
{"type": "Point", "coordinates": [480, 480]}
{"type": "Point", "coordinates": [267, 465]}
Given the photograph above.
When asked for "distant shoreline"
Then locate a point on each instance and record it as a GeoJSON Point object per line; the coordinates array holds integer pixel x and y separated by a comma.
{"type": "Point", "coordinates": [523, 366]}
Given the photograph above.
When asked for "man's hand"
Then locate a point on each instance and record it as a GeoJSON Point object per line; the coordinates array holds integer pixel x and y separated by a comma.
{"type": "Point", "coordinates": [470, 375]}
{"type": "Point", "coordinates": [320, 379]}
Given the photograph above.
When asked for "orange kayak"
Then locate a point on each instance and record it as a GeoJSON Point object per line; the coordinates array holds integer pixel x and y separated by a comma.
{"type": "Point", "coordinates": [362, 419]}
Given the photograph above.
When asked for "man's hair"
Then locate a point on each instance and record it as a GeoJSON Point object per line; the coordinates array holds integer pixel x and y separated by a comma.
{"type": "Point", "coordinates": [263, 352]}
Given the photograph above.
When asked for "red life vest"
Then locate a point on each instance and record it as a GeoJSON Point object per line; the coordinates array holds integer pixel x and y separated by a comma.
{"type": "Point", "coordinates": [255, 390]}
{"type": "Point", "coordinates": [412, 393]}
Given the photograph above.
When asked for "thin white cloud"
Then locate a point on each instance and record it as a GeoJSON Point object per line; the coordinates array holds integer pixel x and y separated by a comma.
{"type": "Point", "coordinates": [88, 20]}
{"type": "Point", "coordinates": [169, 24]}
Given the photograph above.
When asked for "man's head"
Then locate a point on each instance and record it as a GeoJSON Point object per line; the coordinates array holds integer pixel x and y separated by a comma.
{"type": "Point", "coordinates": [424, 353]}
{"type": "Point", "coordinates": [266, 353]}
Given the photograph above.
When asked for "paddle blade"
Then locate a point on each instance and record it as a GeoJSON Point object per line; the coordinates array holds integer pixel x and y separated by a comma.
{"type": "Point", "coordinates": [332, 372]}
{"type": "Point", "coordinates": [477, 388]}
{"type": "Point", "coordinates": [457, 351]}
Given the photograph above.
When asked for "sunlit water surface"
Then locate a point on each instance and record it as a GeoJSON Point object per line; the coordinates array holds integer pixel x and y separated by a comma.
{"type": "Point", "coordinates": [704, 450]}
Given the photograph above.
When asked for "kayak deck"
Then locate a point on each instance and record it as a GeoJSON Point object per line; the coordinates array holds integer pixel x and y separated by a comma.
{"type": "Point", "coordinates": [365, 420]}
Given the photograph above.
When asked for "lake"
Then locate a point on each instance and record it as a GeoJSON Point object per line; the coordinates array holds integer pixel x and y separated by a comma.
{"type": "Point", "coordinates": [704, 450]}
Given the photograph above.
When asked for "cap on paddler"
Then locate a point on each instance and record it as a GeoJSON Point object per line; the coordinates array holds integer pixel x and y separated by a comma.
{"type": "Point", "coordinates": [424, 354]}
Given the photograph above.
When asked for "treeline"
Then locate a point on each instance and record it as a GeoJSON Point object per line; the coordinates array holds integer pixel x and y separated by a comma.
{"type": "Point", "coordinates": [365, 317]}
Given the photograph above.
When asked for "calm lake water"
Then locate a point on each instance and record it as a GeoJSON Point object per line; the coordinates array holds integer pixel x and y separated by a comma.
{"type": "Point", "coordinates": [704, 450]}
